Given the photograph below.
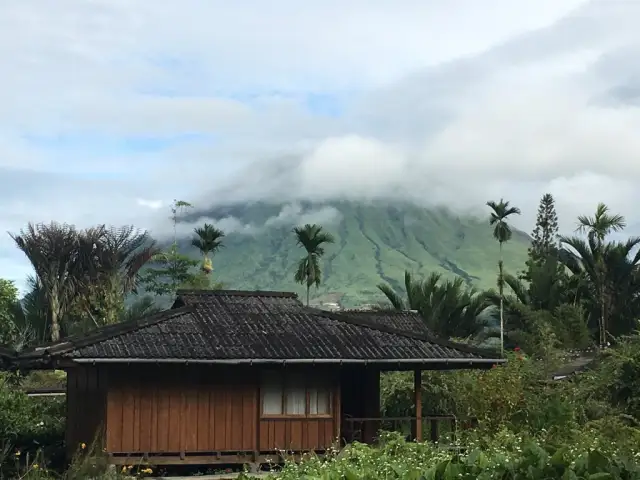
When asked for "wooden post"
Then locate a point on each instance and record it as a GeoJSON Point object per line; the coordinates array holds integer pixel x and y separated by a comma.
{"type": "Point", "coordinates": [417, 386]}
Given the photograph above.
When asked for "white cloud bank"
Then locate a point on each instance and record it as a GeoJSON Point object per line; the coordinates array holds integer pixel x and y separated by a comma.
{"type": "Point", "coordinates": [444, 102]}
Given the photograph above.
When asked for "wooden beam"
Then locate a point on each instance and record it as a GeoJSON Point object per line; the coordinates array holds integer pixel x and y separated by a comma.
{"type": "Point", "coordinates": [417, 386]}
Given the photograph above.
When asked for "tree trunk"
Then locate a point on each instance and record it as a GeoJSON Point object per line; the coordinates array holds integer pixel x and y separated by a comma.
{"type": "Point", "coordinates": [55, 326]}
{"type": "Point", "coordinates": [310, 275]}
{"type": "Point", "coordinates": [501, 289]}
{"type": "Point", "coordinates": [603, 329]}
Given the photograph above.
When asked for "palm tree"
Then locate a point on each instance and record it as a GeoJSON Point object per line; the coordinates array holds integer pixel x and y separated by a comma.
{"type": "Point", "coordinates": [53, 252]}
{"type": "Point", "coordinates": [311, 238]}
{"type": "Point", "coordinates": [208, 240]}
{"type": "Point", "coordinates": [415, 290]}
{"type": "Point", "coordinates": [597, 228]}
{"type": "Point", "coordinates": [502, 233]}
{"type": "Point", "coordinates": [601, 224]}
{"type": "Point", "coordinates": [31, 316]}
{"type": "Point", "coordinates": [609, 280]}
{"type": "Point", "coordinates": [141, 307]}
{"type": "Point", "coordinates": [112, 258]}
{"type": "Point", "coordinates": [449, 309]}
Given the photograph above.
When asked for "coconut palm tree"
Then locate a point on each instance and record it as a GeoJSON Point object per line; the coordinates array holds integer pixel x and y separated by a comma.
{"type": "Point", "coordinates": [500, 212]}
{"type": "Point", "coordinates": [208, 240]}
{"type": "Point", "coordinates": [311, 238]}
{"type": "Point", "coordinates": [53, 252]}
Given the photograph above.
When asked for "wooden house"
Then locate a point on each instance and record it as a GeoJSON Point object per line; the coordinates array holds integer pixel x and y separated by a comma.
{"type": "Point", "coordinates": [236, 377]}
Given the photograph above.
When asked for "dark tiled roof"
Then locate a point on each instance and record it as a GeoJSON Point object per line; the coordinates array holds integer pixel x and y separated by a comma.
{"type": "Point", "coordinates": [405, 321]}
{"type": "Point", "coordinates": [268, 326]}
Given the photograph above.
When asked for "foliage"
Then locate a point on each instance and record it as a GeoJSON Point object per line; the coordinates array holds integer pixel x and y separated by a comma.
{"type": "Point", "coordinates": [500, 212]}
{"type": "Point", "coordinates": [83, 273]}
{"type": "Point", "coordinates": [505, 457]}
{"type": "Point", "coordinates": [53, 252]}
{"type": "Point", "coordinates": [609, 281]}
{"type": "Point", "coordinates": [312, 238]}
{"type": "Point", "coordinates": [29, 427]}
{"type": "Point", "coordinates": [544, 244]}
{"type": "Point", "coordinates": [449, 307]}
{"type": "Point", "coordinates": [208, 240]}
{"type": "Point", "coordinates": [170, 270]}
{"type": "Point", "coordinates": [11, 331]}
{"type": "Point", "coordinates": [374, 242]}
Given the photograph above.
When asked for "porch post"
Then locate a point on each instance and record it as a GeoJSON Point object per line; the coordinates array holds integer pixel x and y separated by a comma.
{"type": "Point", "coordinates": [417, 386]}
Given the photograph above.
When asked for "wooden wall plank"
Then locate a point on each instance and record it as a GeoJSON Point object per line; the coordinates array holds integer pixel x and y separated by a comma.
{"type": "Point", "coordinates": [128, 416]}
{"type": "Point", "coordinates": [175, 417]}
{"type": "Point", "coordinates": [192, 423]}
{"type": "Point", "coordinates": [145, 419]}
{"type": "Point", "coordinates": [115, 402]}
{"type": "Point", "coordinates": [203, 418]}
{"type": "Point", "coordinates": [162, 401]}
{"type": "Point", "coordinates": [205, 411]}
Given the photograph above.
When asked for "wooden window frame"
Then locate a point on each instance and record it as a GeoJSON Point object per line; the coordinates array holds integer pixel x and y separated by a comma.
{"type": "Point", "coordinates": [308, 385]}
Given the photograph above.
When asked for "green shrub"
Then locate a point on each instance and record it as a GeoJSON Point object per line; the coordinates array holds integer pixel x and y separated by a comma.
{"type": "Point", "coordinates": [30, 428]}
{"type": "Point", "coordinates": [506, 457]}
{"type": "Point", "coordinates": [518, 394]}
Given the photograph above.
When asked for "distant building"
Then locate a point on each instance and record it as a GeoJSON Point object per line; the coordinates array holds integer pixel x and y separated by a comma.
{"type": "Point", "coordinates": [329, 306]}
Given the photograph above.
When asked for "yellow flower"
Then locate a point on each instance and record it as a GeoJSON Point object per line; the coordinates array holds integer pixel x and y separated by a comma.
{"type": "Point", "coordinates": [17, 453]}
{"type": "Point", "coordinates": [124, 469]}
{"type": "Point", "coordinates": [34, 466]}
{"type": "Point", "coordinates": [147, 470]}
{"type": "Point", "coordinates": [83, 445]}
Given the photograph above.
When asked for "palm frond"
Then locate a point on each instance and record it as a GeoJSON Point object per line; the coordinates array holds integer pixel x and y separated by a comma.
{"type": "Point", "coordinates": [393, 298]}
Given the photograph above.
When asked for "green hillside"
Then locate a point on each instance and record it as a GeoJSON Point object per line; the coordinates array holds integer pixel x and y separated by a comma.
{"type": "Point", "coordinates": [374, 243]}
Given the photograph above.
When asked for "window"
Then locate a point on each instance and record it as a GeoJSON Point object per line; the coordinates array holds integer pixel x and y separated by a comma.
{"type": "Point", "coordinates": [292, 394]}
{"type": "Point", "coordinates": [319, 401]}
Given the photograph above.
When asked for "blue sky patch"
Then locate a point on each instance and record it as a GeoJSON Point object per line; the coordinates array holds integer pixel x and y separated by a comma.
{"type": "Point", "coordinates": [106, 145]}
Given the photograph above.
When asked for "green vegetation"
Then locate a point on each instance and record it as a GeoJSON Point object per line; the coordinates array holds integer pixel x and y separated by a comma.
{"type": "Point", "coordinates": [500, 213]}
{"type": "Point", "coordinates": [565, 293]}
{"type": "Point", "coordinates": [208, 240]}
{"type": "Point", "coordinates": [375, 243]}
{"type": "Point", "coordinates": [449, 308]}
{"type": "Point", "coordinates": [312, 239]}
{"type": "Point", "coordinates": [82, 274]}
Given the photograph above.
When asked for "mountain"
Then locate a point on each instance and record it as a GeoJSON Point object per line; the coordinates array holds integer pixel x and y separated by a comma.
{"type": "Point", "coordinates": [375, 242]}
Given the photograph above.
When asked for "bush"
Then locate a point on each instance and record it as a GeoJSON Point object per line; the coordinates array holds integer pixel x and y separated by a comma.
{"type": "Point", "coordinates": [507, 456]}
{"type": "Point", "coordinates": [518, 395]}
{"type": "Point", "coordinates": [30, 428]}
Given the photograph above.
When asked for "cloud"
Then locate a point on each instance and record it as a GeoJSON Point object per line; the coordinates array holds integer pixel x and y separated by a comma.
{"type": "Point", "coordinates": [555, 110]}
{"type": "Point", "coordinates": [111, 109]}
{"type": "Point", "coordinates": [152, 204]}
{"type": "Point", "coordinates": [290, 215]}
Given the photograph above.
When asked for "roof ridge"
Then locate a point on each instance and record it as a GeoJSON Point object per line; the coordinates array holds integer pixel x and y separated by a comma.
{"type": "Point", "coordinates": [106, 332]}
{"type": "Point", "coordinates": [380, 312]}
{"type": "Point", "coordinates": [238, 293]}
{"type": "Point", "coordinates": [345, 317]}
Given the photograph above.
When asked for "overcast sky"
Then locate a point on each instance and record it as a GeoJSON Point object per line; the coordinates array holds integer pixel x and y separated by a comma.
{"type": "Point", "coordinates": [112, 108]}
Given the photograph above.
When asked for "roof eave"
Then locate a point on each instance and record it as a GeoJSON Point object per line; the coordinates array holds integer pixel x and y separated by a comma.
{"type": "Point", "coordinates": [388, 363]}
